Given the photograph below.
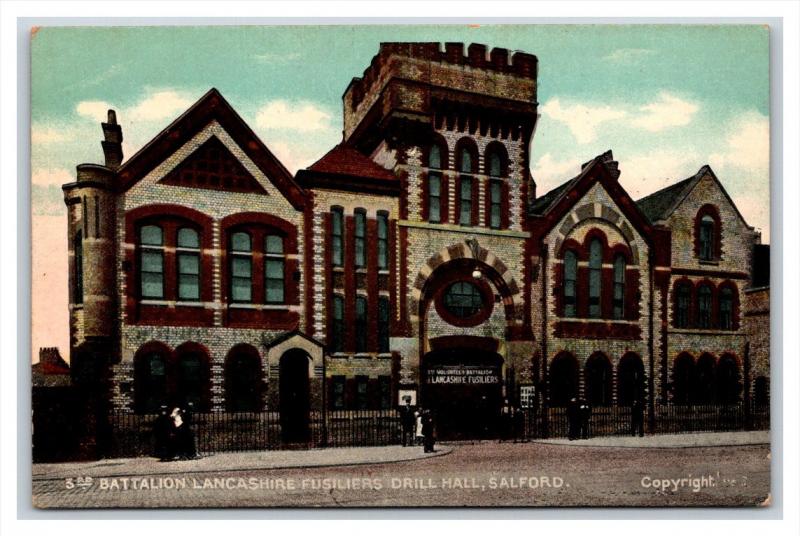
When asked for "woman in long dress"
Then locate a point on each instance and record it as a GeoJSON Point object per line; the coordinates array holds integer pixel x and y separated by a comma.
{"type": "Point", "coordinates": [418, 435]}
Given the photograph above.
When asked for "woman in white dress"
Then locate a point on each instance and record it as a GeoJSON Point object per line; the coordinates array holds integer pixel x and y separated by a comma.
{"type": "Point", "coordinates": [418, 426]}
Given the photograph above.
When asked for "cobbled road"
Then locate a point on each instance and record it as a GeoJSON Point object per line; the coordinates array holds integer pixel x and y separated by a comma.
{"type": "Point", "coordinates": [481, 474]}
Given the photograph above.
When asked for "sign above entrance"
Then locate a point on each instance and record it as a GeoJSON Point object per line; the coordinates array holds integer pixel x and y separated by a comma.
{"type": "Point", "coordinates": [463, 375]}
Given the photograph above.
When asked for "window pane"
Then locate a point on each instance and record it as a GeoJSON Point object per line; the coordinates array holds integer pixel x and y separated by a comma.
{"type": "Point", "coordinates": [383, 225]}
{"type": "Point", "coordinates": [152, 285]}
{"type": "Point", "coordinates": [466, 162]}
{"type": "Point", "coordinates": [240, 242]}
{"type": "Point", "coordinates": [189, 287]}
{"type": "Point", "coordinates": [188, 238]}
{"type": "Point", "coordinates": [188, 264]}
{"type": "Point", "coordinates": [275, 293]}
{"type": "Point", "coordinates": [434, 185]}
{"type": "Point", "coordinates": [336, 222]}
{"type": "Point", "coordinates": [240, 289]}
{"type": "Point", "coordinates": [242, 267]}
{"type": "Point", "coordinates": [494, 164]}
{"type": "Point", "coordinates": [336, 253]}
{"type": "Point", "coordinates": [274, 245]}
{"type": "Point", "coordinates": [275, 269]}
{"type": "Point", "coordinates": [570, 265]}
{"type": "Point", "coordinates": [152, 261]}
{"type": "Point", "coordinates": [435, 157]}
{"type": "Point", "coordinates": [151, 235]}
{"type": "Point", "coordinates": [465, 217]}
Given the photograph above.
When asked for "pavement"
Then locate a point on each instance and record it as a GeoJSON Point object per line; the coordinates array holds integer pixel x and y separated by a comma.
{"type": "Point", "coordinates": [663, 441]}
{"type": "Point", "coordinates": [237, 461]}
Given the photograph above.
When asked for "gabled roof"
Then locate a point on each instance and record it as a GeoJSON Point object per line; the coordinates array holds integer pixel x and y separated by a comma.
{"type": "Point", "coordinates": [660, 205]}
{"type": "Point", "coordinates": [345, 168]}
{"type": "Point", "coordinates": [211, 106]}
{"type": "Point", "coordinates": [344, 160]}
{"type": "Point", "coordinates": [602, 169]}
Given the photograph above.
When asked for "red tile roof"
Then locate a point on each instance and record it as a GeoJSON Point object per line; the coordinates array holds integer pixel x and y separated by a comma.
{"type": "Point", "coordinates": [344, 160]}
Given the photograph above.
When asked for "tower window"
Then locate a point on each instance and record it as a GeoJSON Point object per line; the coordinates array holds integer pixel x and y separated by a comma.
{"type": "Point", "coordinates": [337, 225]}
{"type": "Point", "coordinates": [707, 230]}
{"type": "Point", "coordinates": [360, 218]}
{"type": "Point", "coordinates": [337, 324]}
{"type": "Point", "coordinates": [383, 240]}
{"type": "Point", "coordinates": [495, 204]}
{"type": "Point", "coordinates": [77, 248]}
{"type": "Point", "coordinates": [465, 201]}
{"type": "Point", "coordinates": [463, 299]}
{"type": "Point", "coordinates": [434, 184]}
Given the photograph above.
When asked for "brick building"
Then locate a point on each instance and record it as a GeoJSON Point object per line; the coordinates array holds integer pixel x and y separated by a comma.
{"type": "Point", "coordinates": [416, 258]}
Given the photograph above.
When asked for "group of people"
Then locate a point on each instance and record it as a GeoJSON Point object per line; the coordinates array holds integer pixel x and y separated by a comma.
{"type": "Point", "coordinates": [174, 437]}
{"type": "Point", "coordinates": [579, 415]}
{"type": "Point", "coordinates": [418, 426]}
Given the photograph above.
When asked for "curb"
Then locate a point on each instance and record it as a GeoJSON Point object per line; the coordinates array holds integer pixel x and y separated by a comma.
{"type": "Point", "coordinates": [435, 454]}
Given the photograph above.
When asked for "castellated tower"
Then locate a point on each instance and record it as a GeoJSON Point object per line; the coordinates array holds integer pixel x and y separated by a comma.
{"type": "Point", "coordinates": [92, 299]}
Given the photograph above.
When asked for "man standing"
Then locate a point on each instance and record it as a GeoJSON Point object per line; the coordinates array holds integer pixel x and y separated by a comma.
{"type": "Point", "coordinates": [637, 418]}
{"type": "Point", "coordinates": [573, 419]}
{"type": "Point", "coordinates": [505, 420]}
{"type": "Point", "coordinates": [407, 422]}
{"type": "Point", "coordinates": [585, 418]}
{"type": "Point", "coordinates": [427, 431]}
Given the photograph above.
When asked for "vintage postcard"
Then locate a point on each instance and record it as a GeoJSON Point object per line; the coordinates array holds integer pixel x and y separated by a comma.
{"type": "Point", "coordinates": [400, 266]}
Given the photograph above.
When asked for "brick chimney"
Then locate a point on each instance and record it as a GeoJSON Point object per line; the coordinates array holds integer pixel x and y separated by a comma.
{"type": "Point", "coordinates": [112, 144]}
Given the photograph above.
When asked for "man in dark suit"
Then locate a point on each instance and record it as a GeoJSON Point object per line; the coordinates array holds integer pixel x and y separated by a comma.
{"type": "Point", "coordinates": [637, 417]}
{"type": "Point", "coordinates": [407, 421]}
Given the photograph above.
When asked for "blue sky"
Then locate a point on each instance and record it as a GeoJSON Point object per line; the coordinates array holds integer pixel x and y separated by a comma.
{"type": "Point", "coordinates": [665, 99]}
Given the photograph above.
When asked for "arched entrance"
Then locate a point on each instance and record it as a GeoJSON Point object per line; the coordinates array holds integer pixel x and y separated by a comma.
{"type": "Point", "coordinates": [462, 385]}
{"type": "Point", "coordinates": [294, 396]}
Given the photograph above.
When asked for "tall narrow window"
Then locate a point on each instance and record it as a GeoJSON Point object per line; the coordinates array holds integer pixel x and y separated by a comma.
{"type": "Point", "coordinates": [188, 252]}
{"type": "Point", "coordinates": [77, 248]}
{"type": "Point", "coordinates": [360, 222]}
{"type": "Point", "coordinates": [595, 277]}
{"type": "Point", "coordinates": [274, 269]}
{"type": "Point", "coordinates": [362, 398]}
{"type": "Point", "coordinates": [570, 278]}
{"type": "Point", "coordinates": [337, 392]}
{"type": "Point", "coordinates": [151, 241]}
{"type": "Point", "coordinates": [385, 391]}
{"type": "Point", "coordinates": [495, 205]}
{"type": "Point", "coordinates": [495, 164]}
{"type": "Point", "coordinates": [241, 267]}
{"type": "Point", "coordinates": [361, 324]}
{"type": "Point", "coordinates": [465, 201]}
{"type": "Point", "coordinates": [337, 327]}
{"type": "Point", "coordinates": [337, 225]}
{"type": "Point", "coordinates": [683, 297]}
{"type": "Point", "coordinates": [619, 287]}
{"type": "Point", "coordinates": [704, 307]}
{"type": "Point", "coordinates": [383, 240]}
{"type": "Point", "coordinates": [725, 308]}
{"type": "Point", "coordinates": [434, 185]}
{"type": "Point", "coordinates": [465, 167]}
{"type": "Point", "coordinates": [383, 324]}
{"type": "Point", "coordinates": [707, 238]}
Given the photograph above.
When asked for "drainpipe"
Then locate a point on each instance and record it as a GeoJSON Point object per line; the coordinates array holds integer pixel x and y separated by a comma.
{"type": "Point", "coordinates": [651, 409]}
{"type": "Point", "coordinates": [544, 390]}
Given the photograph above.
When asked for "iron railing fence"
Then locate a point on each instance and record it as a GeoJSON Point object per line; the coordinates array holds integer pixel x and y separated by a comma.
{"type": "Point", "coordinates": [133, 434]}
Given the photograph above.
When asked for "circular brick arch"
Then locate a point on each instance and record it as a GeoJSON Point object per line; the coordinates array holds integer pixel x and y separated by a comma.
{"type": "Point", "coordinates": [608, 215]}
{"type": "Point", "coordinates": [492, 267]}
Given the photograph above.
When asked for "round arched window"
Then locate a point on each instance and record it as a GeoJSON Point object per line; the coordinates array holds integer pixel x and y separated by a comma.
{"type": "Point", "coordinates": [463, 299]}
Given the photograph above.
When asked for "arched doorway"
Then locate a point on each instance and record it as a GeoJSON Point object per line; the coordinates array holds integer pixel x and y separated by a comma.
{"type": "Point", "coordinates": [630, 379]}
{"type": "Point", "coordinates": [243, 379]}
{"type": "Point", "coordinates": [683, 379]}
{"type": "Point", "coordinates": [294, 396]}
{"type": "Point", "coordinates": [463, 388]}
{"type": "Point", "coordinates": [729, 385]}
{"type": "Point", "coordinates": [705, 387]}
{"type": "Point", "coordinates": [563, 376]}
{"type": "Point", "coordinates": [598, 380]}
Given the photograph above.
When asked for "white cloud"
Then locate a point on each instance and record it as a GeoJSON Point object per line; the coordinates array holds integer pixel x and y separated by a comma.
{"type": "Point", "coordinates": [41, 134]}
{"type": "Point", "coordinates": [158, 106]}
{"type": "Point", "coordinates": [746, 146]}
{"type": "Point", "coordinates": [301, 116]}
{"type": "Point", "coordinates": [95, 110]}
{"type": "Point", "coordinates": [647, 172]}
{"type": "Point", "coordinates": [628, 55]}
{"type": "Point", "coordinates": [549, 172]}
{"type": "Point", "coordinates": [581, 119]}
{"type": "Point", "coordinates": [667, 111]}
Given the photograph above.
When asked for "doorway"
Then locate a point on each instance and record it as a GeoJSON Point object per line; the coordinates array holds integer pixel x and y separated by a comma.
{"type": "Point", "coordinates": [294, 397]}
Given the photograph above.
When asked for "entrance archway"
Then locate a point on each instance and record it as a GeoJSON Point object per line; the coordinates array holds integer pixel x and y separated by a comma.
{"type": "Point", "coordinates": [294, 396]}
{"type": "Point", "coordinates": [462, 386]}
